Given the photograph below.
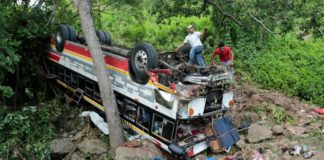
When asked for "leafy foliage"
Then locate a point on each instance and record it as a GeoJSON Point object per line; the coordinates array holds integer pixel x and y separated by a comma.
{"type": "Point", "coordinates": [291, 65]}
{"type": "Point", "coordinates": [30, 130]}
{"type": "Point", "coordinates": [21, 44]}
{"type": "Point", "coordinates": [279, 115]}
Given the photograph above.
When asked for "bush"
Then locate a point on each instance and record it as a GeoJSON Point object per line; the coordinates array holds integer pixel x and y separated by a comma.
{"type": "Point", "coordinates": [30, 130]}
{"type": "Point", "coordinates": [290, 65]}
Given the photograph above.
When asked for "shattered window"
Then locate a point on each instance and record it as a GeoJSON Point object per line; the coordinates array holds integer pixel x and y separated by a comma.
{"type": "Point", "coordinates": [162, 127]}
{"type": "Point", "coordinates": [130, 112]}
{"type": "Point", "coordinates": [164, 98]}
{"type": "Point", "coordinates": [144, 118]}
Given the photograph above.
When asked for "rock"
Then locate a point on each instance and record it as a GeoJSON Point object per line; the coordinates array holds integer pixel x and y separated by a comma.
{"type": "Point", "coordinates": [241, 144]}
{"type": "Point", "coordinates": [295, 130]}
{"type": "Point", "coordinates": [76, 156]}
{"type": "Point", "coordinates": [258, 133]}
{"type": "Point", "coordinates": [102, 157]}
{"type": "Point", "coordinates": [147, 151]}
{"type": "Point", "coordinates": [65, 135]}
{"type": "Point", "coordinates": [92, 146]}
{"type": "Point", "coordinates": [243, 118]}
{"type": "Point", "coordinates": [61, 146]}
{"type": "Point", "coordinates": [277, 129]}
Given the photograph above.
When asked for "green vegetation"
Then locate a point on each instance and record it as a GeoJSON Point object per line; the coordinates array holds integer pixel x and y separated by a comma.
{"type": "Point", "coordinates": [291, 65]}
{"type": "Point", "coordinates": [279, 115]}
{"type": "Point", "coordinates": [272, 55]}
{"type": "Point", "coordinates": [28, 131]}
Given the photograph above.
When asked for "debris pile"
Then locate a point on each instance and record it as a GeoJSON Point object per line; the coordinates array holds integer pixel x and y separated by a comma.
{"type": "Point", "coordinates": [295, 134]}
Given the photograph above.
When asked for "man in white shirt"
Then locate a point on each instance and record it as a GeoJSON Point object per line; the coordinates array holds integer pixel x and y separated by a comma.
{"type": "Point", "coordinates": [193, 38]}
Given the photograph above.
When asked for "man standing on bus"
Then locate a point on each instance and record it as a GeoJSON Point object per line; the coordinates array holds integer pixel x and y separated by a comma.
{"type": "Point", "coordinates": [225, 53]}
{"type": "Point", "coordinates": [193, 38]}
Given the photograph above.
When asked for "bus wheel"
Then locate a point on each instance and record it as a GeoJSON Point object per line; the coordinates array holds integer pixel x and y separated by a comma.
{"type": "Point", "coordinates": [72, 34]}
{"type": "Point", "coordinates": [143, 57]}
{"type": "Point", "coordinates": [61, 35]}
{"type": "Point", "coordinates": [64, 32]}
{"type": "Point", "coordinates": [104, 37]}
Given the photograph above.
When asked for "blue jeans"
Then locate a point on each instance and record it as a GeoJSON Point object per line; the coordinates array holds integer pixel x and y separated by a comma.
{"type": "Point", "coordinates": [197, 51]}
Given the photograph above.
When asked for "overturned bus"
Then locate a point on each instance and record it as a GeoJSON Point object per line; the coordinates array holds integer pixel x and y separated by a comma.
{"type": "Point", "coordinates": [179, 107]}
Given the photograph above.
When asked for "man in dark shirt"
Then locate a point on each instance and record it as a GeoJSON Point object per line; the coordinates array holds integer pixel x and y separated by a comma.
{"type": "Point", "coordinates": [225, 53]}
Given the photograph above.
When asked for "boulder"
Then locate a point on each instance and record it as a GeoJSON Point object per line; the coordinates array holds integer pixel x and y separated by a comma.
{"type": "Point", "coordinates": [242, 119]}
{"type": "Point", "coordinates": [147, 151]}
{"type": "Point", "coordinates": [61, 146]}
{"type": "Point", "coordinates": [76, 156]}
{"type": "Point", "coordinates": [295, 130]}
{"type": "Point", "coordinates": [258, 133]}
{"type": "Point", "coordinates": [92, 146]}
{"type": "Point", "coordinates": [277, 129]}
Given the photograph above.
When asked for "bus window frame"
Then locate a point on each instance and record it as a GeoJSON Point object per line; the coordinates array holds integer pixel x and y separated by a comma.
{"type": "Point", "coordinates": [126, 115]}
{"type": "Point", "coordinates": [88, 88]}
{"type": "Point", "coordinates": [138, 115]}
{"type": "Point", "coordinates": [164, 119]}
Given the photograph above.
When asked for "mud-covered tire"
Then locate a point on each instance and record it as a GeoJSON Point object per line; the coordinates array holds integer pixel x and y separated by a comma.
{"type": "Point", "coordinates": [61, 35]}
{"type": "Point", "coordinates": [143, 57]}
{"type": "Point", "coordinates": [104, 37]}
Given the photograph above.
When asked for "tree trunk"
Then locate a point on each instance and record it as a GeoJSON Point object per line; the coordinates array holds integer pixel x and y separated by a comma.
{"type": "Point", "coordinates": [107, 95]}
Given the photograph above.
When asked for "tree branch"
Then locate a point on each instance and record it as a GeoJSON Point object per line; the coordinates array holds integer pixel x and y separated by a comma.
{"type": "Point", "coordinates": [51, 18]}
{"type": "Point", "coordinates": [40, 3]}
{"type": "Point", "coordinates": [258, 21]}
{"type": "Point", "coordinates": [26, 5]}
{"type": "Point", "coordinates": [261, 23]}
{"type": "Point", "coordinates": [221, 11]}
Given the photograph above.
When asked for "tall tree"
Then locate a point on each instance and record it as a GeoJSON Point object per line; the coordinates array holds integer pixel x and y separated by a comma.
{"type": "Point", "coordinates": [107, 95]}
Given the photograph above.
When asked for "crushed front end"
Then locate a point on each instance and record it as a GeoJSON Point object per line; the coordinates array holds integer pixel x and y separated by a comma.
{"type": "Point", "coordinates": [205, 94]}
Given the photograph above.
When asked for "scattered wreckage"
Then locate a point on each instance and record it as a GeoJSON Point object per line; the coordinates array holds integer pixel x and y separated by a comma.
{"type": "Point", "coordinates": [178, 106]}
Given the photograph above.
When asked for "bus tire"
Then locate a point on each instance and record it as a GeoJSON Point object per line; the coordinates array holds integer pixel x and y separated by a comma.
{"type": "Point", "coordinates": [72, 34]}
{"type": "Point", "coordinates": [108, 38]}
{"type": "Point", "coordinates": [104, 37]}
{"type": "Point", "coordinates": [61, 35]}
{"type": "Point", "coordinates": [143, 57]}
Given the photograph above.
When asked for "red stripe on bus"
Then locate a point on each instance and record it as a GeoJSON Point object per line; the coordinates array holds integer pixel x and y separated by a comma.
{"type": "Point", "coordinates": [116, 62]}
{"type": "Point", "coordinates": [54, 56]}
{"type": "Point", "coordinates": [77, 49]}
{"type": "Point", "coordinates": [110, 60]}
